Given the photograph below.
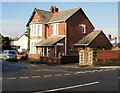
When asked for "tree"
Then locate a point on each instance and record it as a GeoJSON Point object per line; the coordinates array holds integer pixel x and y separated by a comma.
{"type": "Point", "coordinates": [5, 43]}
{"type": "Point", "coordinates": [28, 29]}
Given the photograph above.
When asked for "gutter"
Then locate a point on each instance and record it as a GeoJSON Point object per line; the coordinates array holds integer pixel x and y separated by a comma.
{"type": "Point", "coordinates": [81, 44]}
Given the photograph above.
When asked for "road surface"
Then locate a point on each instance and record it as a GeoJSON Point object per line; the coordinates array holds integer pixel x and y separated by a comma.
{"type": "Point", "coordinates": [42, 78]}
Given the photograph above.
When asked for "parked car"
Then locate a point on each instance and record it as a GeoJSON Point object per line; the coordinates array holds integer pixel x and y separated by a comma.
{"type": "Point", "coordinates": [9, 55]}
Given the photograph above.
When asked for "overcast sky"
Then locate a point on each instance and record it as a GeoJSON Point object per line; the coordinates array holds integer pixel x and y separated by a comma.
{"type": "Point", "coordinates": [15, 15]}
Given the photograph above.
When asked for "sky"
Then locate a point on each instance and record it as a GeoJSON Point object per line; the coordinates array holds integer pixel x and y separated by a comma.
{"type": "Point", "coordinates": [15, 15]}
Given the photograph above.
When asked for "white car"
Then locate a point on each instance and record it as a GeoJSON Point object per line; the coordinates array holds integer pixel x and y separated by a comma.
{"type": "Point", "coordinates": [9, 55]}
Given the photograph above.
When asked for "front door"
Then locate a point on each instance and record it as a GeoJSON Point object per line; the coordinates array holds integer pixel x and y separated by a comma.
{"type": "Point", "coordinates": [45, 51]}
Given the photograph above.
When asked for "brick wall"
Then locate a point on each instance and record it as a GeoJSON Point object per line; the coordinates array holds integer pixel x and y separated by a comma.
{"type": "Point", "coordinates": [101, 41]}
{"type": "Point", "coordinates": [109, 54]}
{"type": "Point", "coordinates": [61, 29]}
{"type": "Point", "coordinates": [74, 32]}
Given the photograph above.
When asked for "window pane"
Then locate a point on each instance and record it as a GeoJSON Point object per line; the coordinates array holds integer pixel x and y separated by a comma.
{"type": "Point", "coordinates": [55, 29]}
{"type": "Point", "coordinates": [34, 29]}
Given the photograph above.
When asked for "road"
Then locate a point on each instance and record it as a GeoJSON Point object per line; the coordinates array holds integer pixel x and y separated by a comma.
{"type": "Point", "coordinates": [42, 78]}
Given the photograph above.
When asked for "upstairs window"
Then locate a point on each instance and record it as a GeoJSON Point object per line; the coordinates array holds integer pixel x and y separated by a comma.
{"type": "Point", "coordinates": [55, 29]}
{"type": "Point", "coordinates": [36, 30]}
{"type": "Point", "coordinates": [39, 30]}
{"type": "Point", "coordinates": [83, 28]}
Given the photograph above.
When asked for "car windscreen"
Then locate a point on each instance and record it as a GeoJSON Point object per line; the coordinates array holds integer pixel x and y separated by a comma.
{"type": "Point", "coordinates": [11, 52]}
{"type": "Point", "coordinates": [5, 52]}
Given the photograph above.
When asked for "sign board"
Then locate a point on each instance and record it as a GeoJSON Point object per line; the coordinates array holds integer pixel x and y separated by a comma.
{"type": "Point", "coordinates": [60, 44]}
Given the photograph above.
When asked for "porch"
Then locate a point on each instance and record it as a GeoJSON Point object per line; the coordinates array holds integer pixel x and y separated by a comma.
{"type": "Point", "coordinates": [51, 47]}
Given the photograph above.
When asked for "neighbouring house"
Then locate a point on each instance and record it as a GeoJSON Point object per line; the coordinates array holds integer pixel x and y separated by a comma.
{"type": "Point", "coordinates": [96, 40]}
{"type": "Point", "coordinates": [113, 40]}
{"type": "Point", "coordinates": [116, 47]}
{"type": "Point", "coordinates": [21, 42]}
{"type": "Point", "coordinates": [54, 33]}
{"type": "Point", "coordinates": [13, 43]}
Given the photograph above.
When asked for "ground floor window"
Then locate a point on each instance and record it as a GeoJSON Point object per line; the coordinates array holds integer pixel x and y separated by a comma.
{"type": "Point", "coordinates": [32, 47]}
{"type": "Point", "coordinates": [45, 51]}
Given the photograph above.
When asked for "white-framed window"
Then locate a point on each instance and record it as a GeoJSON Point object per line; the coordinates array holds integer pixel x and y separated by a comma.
{"type": "Point", "coordinates": [83, 28]}
{"type": "Point", "coordinates": [31, 30]}
{"type": "Point", "coordinates": [45, 51]}
{"type": "Point", "coordinates": [32, 45]}
{"type": "Point", "coordinates": [39, 30]}
{"type": "Point", "coordinates": [55, 29]}
{"type": "Point", "coordinates": [36, 30]}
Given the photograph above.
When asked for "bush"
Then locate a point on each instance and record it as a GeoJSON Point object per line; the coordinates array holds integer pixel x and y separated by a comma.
{"type": "Point", "coordinates": [107, 62]}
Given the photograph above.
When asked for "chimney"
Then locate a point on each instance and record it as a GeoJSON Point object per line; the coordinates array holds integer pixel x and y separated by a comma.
{"type": "Point", "coordinates": [53, 9]}
{"type": "Point", "coordinates": [115, 38]}
{"type": "Point", "coordinates": [109, 36]}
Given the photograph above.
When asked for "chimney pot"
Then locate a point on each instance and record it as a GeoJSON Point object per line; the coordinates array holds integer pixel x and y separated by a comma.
{"type": "Point", "coordinates": [109, 36]}
{"type": "Point", "coordinates": [53, 9]}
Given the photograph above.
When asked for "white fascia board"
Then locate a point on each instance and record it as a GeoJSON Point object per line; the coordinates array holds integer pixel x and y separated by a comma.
{"type": "Point", "coordinates": [81, 44]}
{"type": "Point", "coordinates": [55, 22]}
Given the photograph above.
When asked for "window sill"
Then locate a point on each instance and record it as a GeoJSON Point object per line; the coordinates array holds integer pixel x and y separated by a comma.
{"type": "Point", "coordinates": [54, 35]}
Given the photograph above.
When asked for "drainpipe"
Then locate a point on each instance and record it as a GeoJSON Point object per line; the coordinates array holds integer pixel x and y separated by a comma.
{"type": "Point", "coordinates": [55, 50]}
{"type": "Point", "coordinates": [45, 30]}
{"type": "Point", "coordinates": [65, 38]}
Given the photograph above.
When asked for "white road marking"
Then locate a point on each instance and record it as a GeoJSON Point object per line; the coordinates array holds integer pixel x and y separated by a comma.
{"type": "Point", "coordinates": [118, 77]}
{"type": "Point", "coordinates": [106, 69]}
{"type": "Point", "coordinates": [87, 71]}
{"type": "Point", "coordinates": [23, 77]}
{"type": "Point", "coordinates": [58, 75]}
{"type": "Point", "coordinates": [70, 87]}
{"type": "Point", "coordinates": [11, 78]}
{"type": "Point", "coordinates": [113, 69]}
{"type": "Point", "coordinates": [79, 72]}
{"type": "Point", "coordinates": [35, 76]}
{"type": "Point", "coordinates": [47, 75]}
{"type": "Point", "coordinates": [99, 70]}
{"type": "Point", "coordinates": [1, 78]}
{"type": "Point", "coordinates": [67, 74]}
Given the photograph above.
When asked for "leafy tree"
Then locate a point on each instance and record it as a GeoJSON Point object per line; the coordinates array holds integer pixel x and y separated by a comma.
{"type": "Point", "coordinates": [5, 43]}
{"type": "Point", "coordinates": [28, 29]}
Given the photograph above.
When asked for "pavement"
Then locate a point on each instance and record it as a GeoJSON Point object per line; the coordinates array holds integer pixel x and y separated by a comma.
{"type": "Point", "coordinates": [70, 65]}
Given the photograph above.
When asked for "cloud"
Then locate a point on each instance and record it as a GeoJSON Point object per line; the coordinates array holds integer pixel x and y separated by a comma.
{"type": "Point", "coordinates": [13, 27]}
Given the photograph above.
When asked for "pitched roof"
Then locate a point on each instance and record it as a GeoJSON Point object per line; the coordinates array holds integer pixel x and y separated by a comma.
{"type": "Point", "coordinates": [26, 34]}
{"type": "Point", "coordinates": [44, 15]}
{"type": "Point", "coordinates": [62, 15]}
{"type": "Point", "coordinates": [88, 39]}
{"type": "Point", "coordinates": [48, 17]}
{"type": "Point", "coordinates": [49, 41]}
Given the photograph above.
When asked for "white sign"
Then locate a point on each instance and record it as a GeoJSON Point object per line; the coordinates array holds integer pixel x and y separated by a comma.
{"type": "Point", "coordinates": [60, 44]}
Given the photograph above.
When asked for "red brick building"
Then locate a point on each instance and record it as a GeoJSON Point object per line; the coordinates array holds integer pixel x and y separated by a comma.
{"type": "Point", "coordinates": [96, 39]}
{"type": "Point", "coordinates": [54, 33]}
